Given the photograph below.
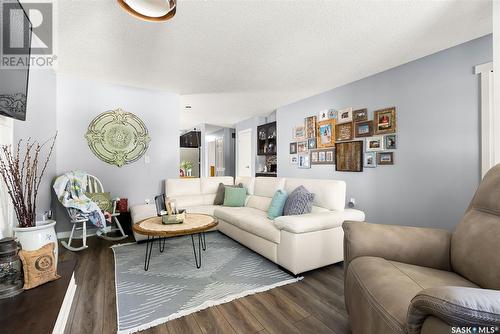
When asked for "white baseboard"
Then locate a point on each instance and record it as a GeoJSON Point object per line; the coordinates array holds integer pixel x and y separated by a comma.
{"type": "Point", "coordinates": [66, 234]}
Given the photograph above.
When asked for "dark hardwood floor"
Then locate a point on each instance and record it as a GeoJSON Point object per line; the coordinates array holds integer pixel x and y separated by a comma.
{"type": "Point", "coordinates": [314, 305]}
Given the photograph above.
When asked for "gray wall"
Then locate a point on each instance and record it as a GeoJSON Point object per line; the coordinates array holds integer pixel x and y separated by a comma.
{"type": "Point", "coordinates": [79, 101]}
{"type": "Point", "coordinates": [437, 165]}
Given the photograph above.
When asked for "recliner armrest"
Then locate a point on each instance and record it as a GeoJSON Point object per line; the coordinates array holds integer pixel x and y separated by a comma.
{"type": "Point", "coordinates": [312, 222]}
{"type": "Point", "coordinates": [456, 306]}
{"type": "Point", "coordinates": [413, 245]}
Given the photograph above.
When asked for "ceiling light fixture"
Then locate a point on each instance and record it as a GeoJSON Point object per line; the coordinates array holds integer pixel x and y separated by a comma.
{"type": "Point", "coordinates": [150, 10]}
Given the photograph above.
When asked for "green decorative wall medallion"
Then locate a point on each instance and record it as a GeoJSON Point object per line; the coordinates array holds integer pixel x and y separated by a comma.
{"type": "Point", "coordinates": [118, 137]}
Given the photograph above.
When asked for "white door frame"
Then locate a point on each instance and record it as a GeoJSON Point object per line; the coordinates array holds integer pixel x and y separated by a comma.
{"type": "Point", "coordinates": [250, 131]}
{"type": "Point", "coordinates": [6, 208]}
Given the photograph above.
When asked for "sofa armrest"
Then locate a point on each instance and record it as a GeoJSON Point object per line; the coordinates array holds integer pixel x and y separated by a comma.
{"type": "Point", "coordinates": [413, 245]}
{"type": "Point", "coordinates": [456, 306]}
{"type": "Point", "coordinates": [312, 222]}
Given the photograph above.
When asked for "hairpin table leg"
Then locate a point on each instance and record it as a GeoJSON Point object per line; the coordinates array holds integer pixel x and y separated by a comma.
{"type": "Point", "coordinates": [203, 241]}
{"type": "Point", "coordinates": [197, 257]}
{"type": "Point", "coordinates": [149, 247]}
{"type": "Point", "coordinates": [161, 244]}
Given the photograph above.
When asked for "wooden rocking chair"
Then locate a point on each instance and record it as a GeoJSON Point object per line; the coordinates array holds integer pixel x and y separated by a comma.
{"type": "Point", "coordinates": [93, 186]}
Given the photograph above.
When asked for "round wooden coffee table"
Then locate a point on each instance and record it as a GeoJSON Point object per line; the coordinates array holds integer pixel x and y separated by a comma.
{"type": "Point", "coordinates": [194, 223]}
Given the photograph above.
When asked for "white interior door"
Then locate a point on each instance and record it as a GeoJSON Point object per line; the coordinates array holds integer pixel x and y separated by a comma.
{"type": "Point", "coordinates": [6, 209]}
{"type": "Point", "coordinates": [244, 152]}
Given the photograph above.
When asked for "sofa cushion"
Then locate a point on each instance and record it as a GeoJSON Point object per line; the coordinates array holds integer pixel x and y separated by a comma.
{"type": "Point", "coordinates": [277, 204]}
{"type": "Point", "coordinates": [184, 201]}
{"type": "Point", "coordinates": [235, 197]}
{"type": "Point", "coordinates": [259, 202]}
{"type": "Point", "coordinates": [178, 187]}
{"type": "Point", "coordinates": [267, 186]}
{"type": "Point", "coordinates": [329, 194]}
{"type": "Point", "coordinates": [219, 196]}
{"type": "Point", "coordinates": [251, 220]}
{"type": "Point", "coordinates": [382, 290]}
{"type": "Point", "coordinates": [209, 185]}
{"type": "Point", "coordinates": [299, 202]}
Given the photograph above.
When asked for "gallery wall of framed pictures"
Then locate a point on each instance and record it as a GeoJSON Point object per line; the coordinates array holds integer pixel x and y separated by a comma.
{"type": "Point", "coordinates": [346, 138]}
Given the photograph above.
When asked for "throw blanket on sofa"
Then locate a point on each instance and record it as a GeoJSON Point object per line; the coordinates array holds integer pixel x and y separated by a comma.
{"type": "Point", "coordinates": [70, 190]}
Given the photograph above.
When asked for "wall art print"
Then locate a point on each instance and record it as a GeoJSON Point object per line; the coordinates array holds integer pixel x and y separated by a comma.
{"type": "Point", "coordinates": [118, 137]}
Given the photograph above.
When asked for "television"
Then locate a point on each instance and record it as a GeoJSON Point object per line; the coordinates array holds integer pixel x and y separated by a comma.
{"type": "Point", "coordinates": [15, 59]}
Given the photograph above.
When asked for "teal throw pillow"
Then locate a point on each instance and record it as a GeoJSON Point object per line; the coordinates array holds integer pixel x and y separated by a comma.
{"type": "Point", "coordinates": [277, 204]}
{"type": "Point", "coordinates": [235, 196]}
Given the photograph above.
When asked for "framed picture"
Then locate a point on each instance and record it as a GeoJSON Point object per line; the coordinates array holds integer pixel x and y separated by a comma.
{"type": "Point", "coordinates": [332, 113]}
{"type": "Point", "coordinates": [385, 158]}
{"type": "Point", "coordinates": [390, 142]}
{"type": "Point", "coordinates": [344, 131]}
{"type": "Point", "coordinates": [293, 148]}
{"type": "Point", "coordinates": [302, 146]}
{"type": "Point", "coordinates": [323, 156]}
{"type": "Point", "coordinates": [370, 160]}
{"type": "Point", "coordinates": [304, 160]}
{"type": "Point", "coordinates": [299, 132]}
{"type": "Point", "coordinates": [323, 115]}
{"type": "Point", "coordinates": [294, 159]}
{"type": "Point", "coordinates": [385, 121]}
{"type": "Point", "coordinates": [349, 156]}
{"type": "Point", "coordinates": [344, 116]}
{"type": "Point", "coordinates": [360, 115]}
{"type": "Point", "coordinates": [311, 143]}
{"type": "Point", "coordinates": [375, 143]}
{"type": "Point", "coordinates": [326, 133]}
{"type": "Point", "coordinates": [363, 129]}
{"type": "Point", "coordinates": [310, 127]}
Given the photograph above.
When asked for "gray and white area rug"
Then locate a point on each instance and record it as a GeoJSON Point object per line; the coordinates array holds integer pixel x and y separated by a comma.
{"type": "Point", "coordinates": [173, 287]}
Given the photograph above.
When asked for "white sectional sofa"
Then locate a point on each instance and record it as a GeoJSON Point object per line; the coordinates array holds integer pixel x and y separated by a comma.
{"type": "Point", "coordinates": [297, 243]}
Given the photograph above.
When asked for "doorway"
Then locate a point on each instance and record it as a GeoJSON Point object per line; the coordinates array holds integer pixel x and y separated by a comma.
{"type": "Point", "coordinates": [244, 152]}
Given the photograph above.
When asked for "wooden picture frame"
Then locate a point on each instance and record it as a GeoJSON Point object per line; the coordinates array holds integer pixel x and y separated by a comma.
{"type": "Point", "coordinates": [363, 129]}
{"type": "Point", "coordinates": [302, 146]}
{"type": "Point", "coordinates": [310, 123]}
{"type": "Point", "coordinates": [299, 132]}
{"type": "Point", "coordinates": [384, 120]}
{"type": "Point", "coordinates": [349, 156]}
{"type": "Point", "coordinates": [344, 131]}
{"type": "Point", "coordinates": [385, 158]}
{"type": "Point", "coordinates": [293, 148]}
{"type": "Point", "coordinates": [360, 115]}
{"type": "Point", "coordinates": [324, 156]}
{"type": "Point", "coordinates": [311, 143]}
{"type": "Point", "coordinates": [325, 133]}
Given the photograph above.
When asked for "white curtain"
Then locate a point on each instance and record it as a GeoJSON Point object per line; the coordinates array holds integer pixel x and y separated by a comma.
{"type": "Point", "coordinates": [6, 210]}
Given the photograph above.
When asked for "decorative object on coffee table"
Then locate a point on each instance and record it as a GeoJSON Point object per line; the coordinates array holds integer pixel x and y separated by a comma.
{"type": "Point", "coordinates": [11, 274]}
{"type": "Point", "coordinates": [349, 156]}
{"type": "Point", "coordinates": [118, 137]}
{"type": "Point", "coordinates": [194, 223]}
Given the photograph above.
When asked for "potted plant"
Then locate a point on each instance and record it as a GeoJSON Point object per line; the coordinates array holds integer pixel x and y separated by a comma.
{"type": "Point", "coordinates": [22, 173]}
{"type": "Point", "coordinates": [187, 167]}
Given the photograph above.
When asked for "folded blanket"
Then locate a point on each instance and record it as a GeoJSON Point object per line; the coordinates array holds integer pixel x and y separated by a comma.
{"type": "Point", "coordinates": [70, 190]}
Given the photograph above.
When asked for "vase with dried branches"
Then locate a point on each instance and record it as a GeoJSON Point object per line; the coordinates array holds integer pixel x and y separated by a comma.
{"type": "Point", "coordinates": [22, 173]}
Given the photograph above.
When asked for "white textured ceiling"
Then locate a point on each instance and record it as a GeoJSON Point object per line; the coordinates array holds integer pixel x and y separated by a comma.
{"type": "Point", "coordinates": [234, 59]}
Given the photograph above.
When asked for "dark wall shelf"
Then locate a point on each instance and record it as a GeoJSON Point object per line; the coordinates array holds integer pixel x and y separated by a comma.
{"type": "Point", "coordinates": [266, 139]}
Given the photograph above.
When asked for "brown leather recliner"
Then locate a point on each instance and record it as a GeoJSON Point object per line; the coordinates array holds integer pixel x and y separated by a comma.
{"type": "Point", "coordinates": [413, 280]}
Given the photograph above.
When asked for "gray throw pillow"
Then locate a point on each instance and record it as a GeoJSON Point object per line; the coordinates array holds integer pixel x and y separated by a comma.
{"type": "Point", "coordinates": [219, 196]}
{"type": "Point", "coordinates": [299, 202]}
